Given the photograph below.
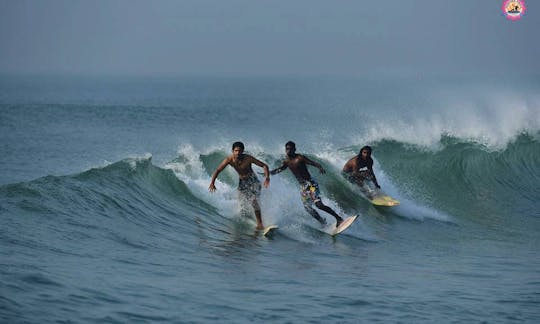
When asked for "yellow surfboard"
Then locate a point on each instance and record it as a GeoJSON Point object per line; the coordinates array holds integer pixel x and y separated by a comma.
{"type": "Point", "coordinates": [384, 200]}
{"type": "Point", "coordinates": [376, 196]}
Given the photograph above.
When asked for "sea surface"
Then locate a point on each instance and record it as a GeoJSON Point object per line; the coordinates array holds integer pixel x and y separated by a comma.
{"type": "Point", "coordinates": [105, 214]}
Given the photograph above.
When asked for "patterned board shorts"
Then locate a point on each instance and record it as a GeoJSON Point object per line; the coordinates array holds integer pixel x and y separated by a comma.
{"type": "Point", "coordinates": [249, 188]}
{"type": "Point", "coordinates": [310, 192]}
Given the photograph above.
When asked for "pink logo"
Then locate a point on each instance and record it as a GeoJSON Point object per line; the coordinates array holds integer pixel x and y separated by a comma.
{"type": "Point", "coordinates": [513, 9]}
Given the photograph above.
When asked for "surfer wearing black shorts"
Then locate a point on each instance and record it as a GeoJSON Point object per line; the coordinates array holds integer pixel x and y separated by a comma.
{"type": "Point", "coordinates": [360, 168]}
{"type": "Point", "coordinates": [249, 186]}
{"type": "Point", "coordinates": [309, 188]}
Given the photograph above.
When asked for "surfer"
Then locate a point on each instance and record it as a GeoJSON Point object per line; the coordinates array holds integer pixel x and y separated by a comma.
{"type": "Point", "coordinates": [297, 163]}
{"type": "Point", "coordinates": [249, 186]}
{"type": "Point", "coordinates": [360, 168]}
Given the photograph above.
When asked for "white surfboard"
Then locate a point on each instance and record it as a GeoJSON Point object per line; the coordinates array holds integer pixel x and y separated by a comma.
{"type": "Point", "coordinates": [270, 230]}
{"type": "Point", "coordinates": [344, 225]}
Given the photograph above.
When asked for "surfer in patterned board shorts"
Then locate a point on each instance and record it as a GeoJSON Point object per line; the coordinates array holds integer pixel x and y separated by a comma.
{"type": "Point", "coordinates": [298, 163]}
{"type": "Point", "coordinates": [249, 186]}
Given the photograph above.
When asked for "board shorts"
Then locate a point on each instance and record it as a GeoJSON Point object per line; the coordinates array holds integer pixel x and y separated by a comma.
{"type": "Point", "coordinates": [359, 178]}
{"type": "Point", "coordinates": [310, 192]}
{"type": "Point", "coordinates": [249, 188]}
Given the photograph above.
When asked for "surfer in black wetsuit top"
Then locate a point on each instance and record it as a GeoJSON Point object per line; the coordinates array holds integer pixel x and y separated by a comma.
{"type": "Point", "coordinates": [297, 163]}
{"type": "Point", "coordinates": [360, 168]}
{"type": "Point", "coordinates": [249, 187]}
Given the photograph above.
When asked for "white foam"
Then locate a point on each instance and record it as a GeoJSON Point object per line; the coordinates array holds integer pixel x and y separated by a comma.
{"type": "Point", "coordinates": [281, 202]}
{"type": "Point", "coordinates": [490, 119]}
{"type": "Point", "coordinates": [191, 172]}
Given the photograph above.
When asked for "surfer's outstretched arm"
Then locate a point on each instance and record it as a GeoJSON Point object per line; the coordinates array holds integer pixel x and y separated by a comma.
{"type": "Point", "coordinates": [370, 168]}
{"type": "Point", "coordinates": [278, 170]}
{"type": "Point", "coordinates": [224, 163]}
{"type": "Point", "coordinates": [375, 180]}
{"type": "Point", "coordinates": [266, 171]}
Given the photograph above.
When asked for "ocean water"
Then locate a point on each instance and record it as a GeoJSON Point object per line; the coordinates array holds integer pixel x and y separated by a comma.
{"type": "Point", "coordinates": [105, 215]}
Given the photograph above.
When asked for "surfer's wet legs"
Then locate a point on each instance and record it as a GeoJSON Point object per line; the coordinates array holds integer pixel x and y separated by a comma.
{"type": "Point", "coordinates": [257, 210]}
{"type": "Point", "coordinates": [329, 210]}
{"type": "Point", "coordinates": [315, 215]}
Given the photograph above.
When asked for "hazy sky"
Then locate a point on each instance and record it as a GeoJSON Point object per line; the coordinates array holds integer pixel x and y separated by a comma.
{"type": "Point", "coordinates": [256, 37]}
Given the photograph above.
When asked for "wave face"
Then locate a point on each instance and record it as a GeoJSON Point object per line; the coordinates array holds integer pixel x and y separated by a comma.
{"type": "Point", "coordinates": [467, 173]}
{"type": "Point", "coordinates": [449, 180]}
{"type": "Point", "coordinates": [117, 203]}
{"type": "Point", "coordinates": [138, 236]}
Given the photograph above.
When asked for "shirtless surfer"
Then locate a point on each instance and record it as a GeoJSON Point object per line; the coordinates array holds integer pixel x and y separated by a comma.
{"type": "Point", "coordinates": [249, 186]}
{"type": "Point", "coordinates": [360, 168]}
{"type": "Point", "coordinates": [297, 163]}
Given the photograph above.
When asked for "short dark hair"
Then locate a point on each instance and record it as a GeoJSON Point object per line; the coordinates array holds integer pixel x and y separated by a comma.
{"type": "Point", "coordinates": [238, 144]}
{"type": "Point", "coordinates": [290, 143]}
